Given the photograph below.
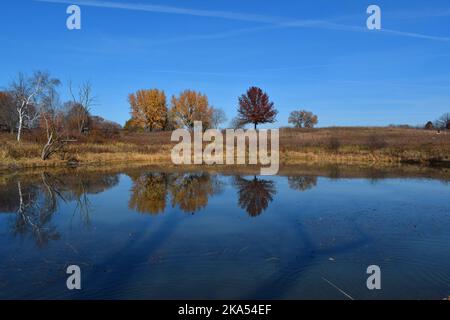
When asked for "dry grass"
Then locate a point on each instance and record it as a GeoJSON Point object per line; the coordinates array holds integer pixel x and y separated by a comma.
{"type": "Point", "coordinates": [353, 145]}
{"type": "Point", "coordinates": [328, 145]}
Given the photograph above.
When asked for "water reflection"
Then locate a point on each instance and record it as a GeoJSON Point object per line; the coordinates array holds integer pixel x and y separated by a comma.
{"type": "Point", "coordinates": [149, 193]}
{"type": "Point", "coordinates": [77, 188]}
{"type": "Point", "coordinates": [33, 201]}
{"type": "Point", "coordinates": [35, 212]}
{"type": "Point", "coordinates": [302, 183]}
{"type": "Point", "coordinates": [188, 191]}
{"type": "Point", "coordinates": [297, 238]}
{"type": "Point", "coordinates": [254, 194]}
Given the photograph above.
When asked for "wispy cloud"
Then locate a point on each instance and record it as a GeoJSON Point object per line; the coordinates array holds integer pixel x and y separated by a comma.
{"type": "Point", "coordinates": [272, 21]}
{"type": "Point", "coordinates": [391, 84]}
{"type": "Point", "coordinates": [335, 26]}
{"type": "Point", "coordinates": [415, 35]}
{"type": "Point", "coordinates": [424, 14]}
{"type": "Point", "coordinates": [172, 10]}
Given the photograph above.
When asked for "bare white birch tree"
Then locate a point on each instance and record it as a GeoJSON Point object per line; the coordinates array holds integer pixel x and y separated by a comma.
{"type": "Point", "coordinates": [27, 92]}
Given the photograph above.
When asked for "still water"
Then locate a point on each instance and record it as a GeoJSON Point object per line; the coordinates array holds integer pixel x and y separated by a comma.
{"type": "Point", "coordinates": [148, 234]}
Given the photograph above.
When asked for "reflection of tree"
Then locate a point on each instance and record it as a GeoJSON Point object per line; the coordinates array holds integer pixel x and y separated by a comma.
{"type": "Point", "coordinates": [302, 183]}
{"type": "Point", "coordinates": [149, 193]}
{"type": "Point", "coordinates": [192, 191]}
{"type": "Point", "coordinates": [77, 187]}
{"type": "Point", "coordinates": [255, 195]}
{"type": "Point", "coordinates": [35, 211]}
{"type": "Point", "coordinates": [8, 198]}
{"type": "Point", "coordinates": [35, 200]}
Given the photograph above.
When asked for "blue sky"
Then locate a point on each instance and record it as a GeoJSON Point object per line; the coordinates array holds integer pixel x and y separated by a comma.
{"type": "Point", "coordinates": [314, 55]}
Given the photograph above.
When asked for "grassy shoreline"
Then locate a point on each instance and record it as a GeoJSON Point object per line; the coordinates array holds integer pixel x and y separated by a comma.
{"type": "Point", "coordinates": [293, 158]}
{"type": "Point", "coordinates": [344, 146]}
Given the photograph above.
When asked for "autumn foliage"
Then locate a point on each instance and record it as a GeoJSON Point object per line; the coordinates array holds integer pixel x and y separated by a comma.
{"type": "Point", "coordinates": [255, 107]}
{"type": "Point", "coordinates": [191, 106]}
{"type": "Point", "coordinates": [148, 109]}
{"type": "Point", "coordinates": [303, 119]}
{"type": "Point", "coordinates": [189, 192]}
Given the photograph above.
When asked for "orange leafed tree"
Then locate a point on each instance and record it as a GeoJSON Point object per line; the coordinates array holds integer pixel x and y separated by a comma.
{"type": "Point", "coordinates": [148, 109]}
{"type": "Point", "coordinates": [191, 106]}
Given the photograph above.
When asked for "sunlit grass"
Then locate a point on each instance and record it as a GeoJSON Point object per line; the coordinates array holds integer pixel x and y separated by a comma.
{"type": "Point", "coordinates": [328, 145]}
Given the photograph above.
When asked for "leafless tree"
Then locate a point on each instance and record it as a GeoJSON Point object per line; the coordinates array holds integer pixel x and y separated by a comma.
{"type": "Point", "coordinates": [53, 122]}
{"type": "Point", "coordinates": [237, 123]}
{"type": "Point", "coordinates": [81, 105]}
{"type": "Point", "coordinates": [218, 117]}
{"type": "Point", "coordinates": [27, 93]}
{"type": "Point", "coordinates": [443, 122]}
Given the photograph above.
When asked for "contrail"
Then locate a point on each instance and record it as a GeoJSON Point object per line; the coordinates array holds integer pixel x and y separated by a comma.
{"type": "Point", "coordinates": [172, 10]}
{"type": "Point", "coordinates": [275, 22]}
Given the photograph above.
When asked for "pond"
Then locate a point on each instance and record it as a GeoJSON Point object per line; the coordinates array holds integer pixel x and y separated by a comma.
{"type": "Point", "coordinates": [150, 233]}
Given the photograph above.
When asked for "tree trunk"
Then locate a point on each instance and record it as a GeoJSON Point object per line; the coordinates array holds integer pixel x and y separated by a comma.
{"type": "Point", "coordinates": [255, 125]}
{"type": "Point", "coordinates": [19, 131]}
{"type": "Point", "coordinates": [46, 150]}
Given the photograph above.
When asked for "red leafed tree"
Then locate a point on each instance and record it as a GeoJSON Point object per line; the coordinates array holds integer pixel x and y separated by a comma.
{"type": "Point", "coordinates": [255, 107]}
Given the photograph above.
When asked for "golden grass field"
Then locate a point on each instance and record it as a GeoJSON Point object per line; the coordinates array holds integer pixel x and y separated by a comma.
{"type": "Point", "coordinates": [340, 145]}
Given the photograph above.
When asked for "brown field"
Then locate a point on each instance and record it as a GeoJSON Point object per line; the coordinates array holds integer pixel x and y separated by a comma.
{"type": "Point", "coordinates": [357, 145]}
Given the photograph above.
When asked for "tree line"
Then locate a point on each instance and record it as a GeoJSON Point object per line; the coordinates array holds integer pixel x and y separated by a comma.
{"type": "Point", "coordinates": [33, 104]}
{"type": "Point", "coordinates": [150, 111]}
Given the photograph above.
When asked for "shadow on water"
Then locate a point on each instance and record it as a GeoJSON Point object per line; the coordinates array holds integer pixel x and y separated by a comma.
{"type": "Point", "coordinates": [291, 270]}
{"type": "Point", "coordinates": [32, 202]}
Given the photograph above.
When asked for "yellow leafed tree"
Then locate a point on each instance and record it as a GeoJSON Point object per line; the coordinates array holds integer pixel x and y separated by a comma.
{"type": "Point", "coordinates": [191, 106]}
{"type": "Point", "coordinates": [148, 109]}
